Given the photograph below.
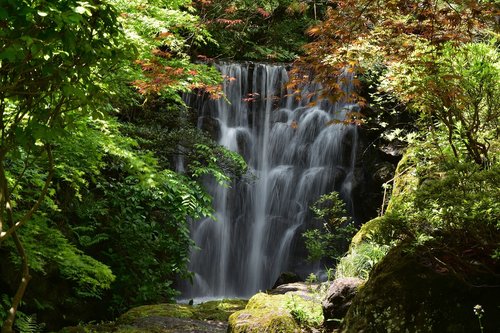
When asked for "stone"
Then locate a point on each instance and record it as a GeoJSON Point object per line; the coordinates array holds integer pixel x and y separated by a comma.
{"type": "Point", "coordinates": [211, 126]}
{"type": "Point", "coordinates": [338, 300]}
{"type": "Point", "coordinates": [208, 317]}
{"type": "Point", "coordinates": [262, 320]}
{"type": "Point", "coordinates": [383, 172]}
{"type": "Point", "coordinates": [158, 324]}
{"type": "Point", "coordinates": [286, 277]}
{"type": "Point", "coordinates": [280, 313]}
{"type": "Point", "coordinates": [413, 290]}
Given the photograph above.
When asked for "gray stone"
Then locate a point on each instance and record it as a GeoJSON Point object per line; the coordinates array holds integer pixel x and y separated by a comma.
{"type": "Point", "coordinates": [338, 299]}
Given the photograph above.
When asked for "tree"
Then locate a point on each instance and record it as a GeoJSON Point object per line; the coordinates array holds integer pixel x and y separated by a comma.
{"type": "Point", "coordinates": [256, 30]}
{"type": "Point", "coordinates": [461, 91]}
{"type": "Point", "coordinates": [164, 33]}
{"type": "Point", "coordinates": [329, 242]}
{"type": "Point", "coordinates": [357, 35]}
{"type": "Point", "coordinates": [51, 55]}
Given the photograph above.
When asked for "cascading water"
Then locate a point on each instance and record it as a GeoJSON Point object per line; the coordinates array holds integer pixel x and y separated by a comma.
{"type": "Point", "coordinates": [295, 152]}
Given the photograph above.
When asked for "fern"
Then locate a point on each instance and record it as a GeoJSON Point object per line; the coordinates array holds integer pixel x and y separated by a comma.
{"type": "Point", "coordinates": [24, 323]}
{"type": "Point", "coordinates": [28, 323]}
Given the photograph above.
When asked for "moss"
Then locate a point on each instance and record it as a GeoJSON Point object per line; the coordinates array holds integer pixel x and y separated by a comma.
{"type": "Point", "coordinates": [213, 310]}
{"type": "Point", "coordinates": [406, 292]}
{"type": "Point", "coordinates": [262, 320]}
{"type": "Point", "coordinates": [165, 318]}
{"type": "Point", "coordinates": [276, 313]}
{"type": "Point", "coordinates": [132, 329]}
{"type": "Point", "coordinates": [405, 180]}
{"type": "Point", "coordinates": [218, 310]}
{"type": "Point", "coordinates": [161, 310]}
{"type": "Point", "coordinates": [263, 300]}
{"type": "Point", "coordinates": [366, 231]}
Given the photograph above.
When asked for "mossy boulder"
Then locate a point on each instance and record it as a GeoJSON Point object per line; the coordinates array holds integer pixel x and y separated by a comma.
{"type": "Point", "coordinates": [219, 310]}
{"type": "Point", "coordinates": [282, 313]}
{"type": "Point", "coordinates": [412, 290]}
{"type": "Point", "coordinates": [262, 320]}
{"type": "Point", "coordinates": [367, 230]}
{"type": "Point", "coordinates": [208, 317]}
{"type": "Point", "coordinates": [158, 310]}
{"type": "Point", "coordinates": [405, 183]}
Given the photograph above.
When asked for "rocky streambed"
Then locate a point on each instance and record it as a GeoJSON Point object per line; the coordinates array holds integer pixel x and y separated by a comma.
{"type": "Point", "coordinates": [293, 307]}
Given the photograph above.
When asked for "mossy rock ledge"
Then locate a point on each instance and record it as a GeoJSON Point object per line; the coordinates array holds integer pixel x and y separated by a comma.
{"type": "Point", "coordinates": [292, 312]}
{"type": "Point", "coordinates": [208, 317]}
{"type": "Point", "coordinates": [411, 290]}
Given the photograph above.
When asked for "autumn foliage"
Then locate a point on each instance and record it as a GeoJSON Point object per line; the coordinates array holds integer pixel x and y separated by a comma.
{"type": "Point", "coordinates": [357, 34]}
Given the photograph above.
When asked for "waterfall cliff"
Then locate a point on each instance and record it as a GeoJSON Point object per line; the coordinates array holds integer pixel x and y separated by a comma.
{"type": "Point", "coordinates": [295, 152]}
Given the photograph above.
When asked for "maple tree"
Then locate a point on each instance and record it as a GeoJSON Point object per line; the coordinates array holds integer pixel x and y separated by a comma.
{"type": "Point", "coordinates": [358, 36]}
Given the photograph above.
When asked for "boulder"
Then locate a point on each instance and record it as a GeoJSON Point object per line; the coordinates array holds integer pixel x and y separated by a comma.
{"type": "Point", "coordinates": [209, 317]}
{"type": "Point", "coordinates": [338, 299]}
{"type": "Point", "coordinates": [283, 313]}
{"type": "Point", "coordinates": [286, 277]}
{"type": "Point", "coordinates": [307, 291]}
{"type": "Point", "coordinates": [262, 321]}
{"type": "Point", "coordinates": [431, 288]}
{"type": "Point", "coordinates": [211, 126]}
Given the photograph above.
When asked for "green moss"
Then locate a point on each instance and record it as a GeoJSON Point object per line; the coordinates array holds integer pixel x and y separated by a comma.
{"type": "Point", "coordinates": [263, 300]}
{"type": "Point", "coordinates": [405, 180]}
{"type": "Point", "coordinates": [160, 310]}
{"type": "Point", "coordinates": [218, 310]}
{"type": "Point", "coordinates": [405, 293]}
{"type": "Point", "coordinates": [262, 320]}
{"type": "Point", "coordinates": [276, 313]}
{"type": "Point", "coordinates": [213, 310]}
{"type": "Point", "coordinates": [366, 231]}
{"type": "Point", "coordinates": [132, 329]}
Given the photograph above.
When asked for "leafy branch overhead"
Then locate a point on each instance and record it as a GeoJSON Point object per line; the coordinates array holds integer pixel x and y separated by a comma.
{"type": "Point", "coordinates": [66, 69]}
{"type": "Point", "coordinates": [359, 35]}
{"type": "Point", "coordinates": [164, 34]}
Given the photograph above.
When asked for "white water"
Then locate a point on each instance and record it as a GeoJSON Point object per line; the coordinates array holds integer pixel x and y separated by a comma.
{"type": "Point", "coordinates": [295, 157]}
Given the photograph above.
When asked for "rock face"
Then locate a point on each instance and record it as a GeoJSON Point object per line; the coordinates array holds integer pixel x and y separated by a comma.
{"type": "Point", "coordinates": [412, 290]}
{"type": "Point", "coordinates": [338, 300]}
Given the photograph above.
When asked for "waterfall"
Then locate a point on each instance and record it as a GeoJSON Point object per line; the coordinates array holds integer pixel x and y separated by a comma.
{"type": "Point", "coordinates": [295, 154]}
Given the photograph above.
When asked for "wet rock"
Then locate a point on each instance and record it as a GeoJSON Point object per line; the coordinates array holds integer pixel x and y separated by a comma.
{"type": "Point", "coordinates": [286, 277]}
{"type": "Point", "coordinates": [338, 300]}
{"type": "Point", "coordinates": [211, 126]}
{"type": "Point", "coordinates": [383, 172]}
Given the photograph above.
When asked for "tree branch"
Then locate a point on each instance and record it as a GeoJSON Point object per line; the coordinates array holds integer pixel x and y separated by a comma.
{"type": "Point", "coordinates": [12, 229]}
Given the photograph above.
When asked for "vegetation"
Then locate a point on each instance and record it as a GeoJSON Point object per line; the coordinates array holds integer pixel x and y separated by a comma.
{"type": "Point", "coordinates": [78, 195]}
{"type": "Point", "coordinates": [92, 123]}
{"type": "Point", "coordinates": [337, 228]}
{"type": "Point", "coordinates": [277, 313]}
{"type": "Point", "coordinates": [258, 30]}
